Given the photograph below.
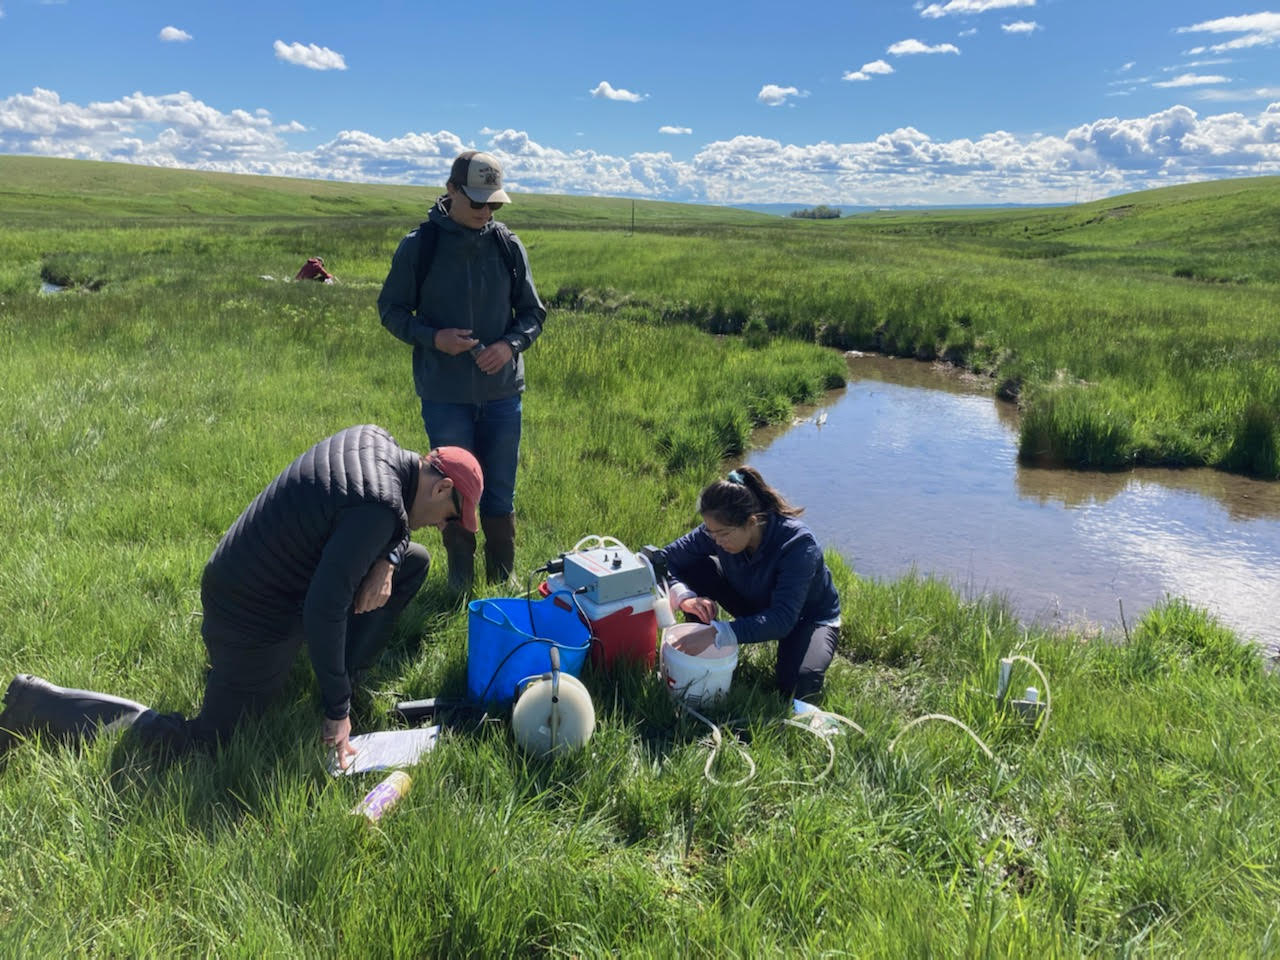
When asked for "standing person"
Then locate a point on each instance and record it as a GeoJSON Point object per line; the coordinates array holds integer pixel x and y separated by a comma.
{"type": "Point", "coordinates": [322, 556]}
{"type": "Point", "coordinates": [460, 293]}
{"type": "Point", "coordinates": [752, 557]}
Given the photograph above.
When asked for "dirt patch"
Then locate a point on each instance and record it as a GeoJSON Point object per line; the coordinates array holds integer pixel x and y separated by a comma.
{"type": "Point", "coordinates": [1112, 213]}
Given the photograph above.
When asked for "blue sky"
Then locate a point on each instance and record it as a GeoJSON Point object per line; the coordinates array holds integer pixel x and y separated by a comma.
{"type": "Point", "coordinates": [874, 102]}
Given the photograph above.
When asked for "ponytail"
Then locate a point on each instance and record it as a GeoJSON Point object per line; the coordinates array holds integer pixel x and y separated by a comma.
{"type": "Point", "coordinates": [741, 496]}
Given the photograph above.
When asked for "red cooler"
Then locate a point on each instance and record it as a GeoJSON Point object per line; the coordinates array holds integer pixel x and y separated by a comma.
{"type": "Point", "coordinates": [627, 628]}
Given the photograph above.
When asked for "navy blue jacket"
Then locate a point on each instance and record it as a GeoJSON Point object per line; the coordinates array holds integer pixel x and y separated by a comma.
{"type": "Point", "coordinates": [785, 577]}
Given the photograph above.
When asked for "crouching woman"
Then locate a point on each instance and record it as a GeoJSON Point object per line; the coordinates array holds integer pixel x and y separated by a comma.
{"type": "Point", "coordinates": [752, 557]}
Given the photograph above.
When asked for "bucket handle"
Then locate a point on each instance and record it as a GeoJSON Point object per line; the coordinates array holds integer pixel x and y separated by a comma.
{"type": "Point", "coordinates": [482, 608]}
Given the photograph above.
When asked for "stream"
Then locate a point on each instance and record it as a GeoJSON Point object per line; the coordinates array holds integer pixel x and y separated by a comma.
{"type": "Point", "coordinates": [914, 466]}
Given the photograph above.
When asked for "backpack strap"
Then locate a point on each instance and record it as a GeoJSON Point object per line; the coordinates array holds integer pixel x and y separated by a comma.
{"type": "Point", "coordinates": [515, 262]}
{"type": "Point", "coordinates": [428, 236]}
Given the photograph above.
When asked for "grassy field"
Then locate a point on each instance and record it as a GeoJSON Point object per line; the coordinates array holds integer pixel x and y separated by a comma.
{"type": "Point", "coordinates": [138, 419]}
{"type": "Point", "coordinates": [1134, 330]}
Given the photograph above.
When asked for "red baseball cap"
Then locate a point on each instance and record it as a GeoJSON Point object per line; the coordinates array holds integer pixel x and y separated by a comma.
{"type": "Point", "coordinates": [461, 467]}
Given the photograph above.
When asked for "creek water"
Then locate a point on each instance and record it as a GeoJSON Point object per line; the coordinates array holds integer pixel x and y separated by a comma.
{"type": "Point", "coordinates": [912, 466]}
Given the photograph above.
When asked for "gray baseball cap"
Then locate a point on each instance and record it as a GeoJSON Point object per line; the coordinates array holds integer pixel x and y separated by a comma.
{"type": "Point", "coordinates": [480, 176]}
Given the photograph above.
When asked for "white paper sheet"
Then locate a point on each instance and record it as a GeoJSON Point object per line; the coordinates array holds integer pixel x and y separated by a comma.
{"type": "Point", "coordinates": [388, 749]}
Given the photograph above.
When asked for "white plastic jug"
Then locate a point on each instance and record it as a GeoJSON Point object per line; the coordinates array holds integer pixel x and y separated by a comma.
{"type": "Point", "coordinates": [698, 680]}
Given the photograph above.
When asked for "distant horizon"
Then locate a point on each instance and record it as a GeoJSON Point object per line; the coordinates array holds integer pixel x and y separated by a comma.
{"type": "Point", "coordinates": [768, 207]}
{"type": "Point", "coordinates": [774, 208]}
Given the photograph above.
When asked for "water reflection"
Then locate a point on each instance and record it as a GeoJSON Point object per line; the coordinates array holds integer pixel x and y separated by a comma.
{"type": "Point", "coordinates": [47, 287]}
{"type": "Point", "coordinates": [1241, 497]}
{"type": "Point", "coordinates": [916, 466]}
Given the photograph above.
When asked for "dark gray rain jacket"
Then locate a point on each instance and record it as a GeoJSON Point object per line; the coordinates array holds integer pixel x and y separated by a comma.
{"type": "Point", "coordinates": [468, 286]}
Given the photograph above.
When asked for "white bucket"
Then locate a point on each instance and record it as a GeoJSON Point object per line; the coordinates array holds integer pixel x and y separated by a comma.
{"type": "Point", "coordinates": [696, 680]}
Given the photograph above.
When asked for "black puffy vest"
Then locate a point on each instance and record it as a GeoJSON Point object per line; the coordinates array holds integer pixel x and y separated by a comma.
{"type": "Point", "coordinates": [261, 569]}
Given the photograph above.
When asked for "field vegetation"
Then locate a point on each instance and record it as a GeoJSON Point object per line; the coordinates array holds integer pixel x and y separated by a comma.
{"type": "Point", "coordinates": [144, 407]}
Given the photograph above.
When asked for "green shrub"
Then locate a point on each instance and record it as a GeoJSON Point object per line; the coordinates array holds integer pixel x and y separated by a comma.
{"type": "Point", "coordinates": [1255, 448]}
{"type": "Point", "coordinates": [1075, 425]}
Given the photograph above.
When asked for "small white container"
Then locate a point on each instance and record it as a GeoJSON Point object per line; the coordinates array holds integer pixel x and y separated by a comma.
{"type": "Point", "coordinates": [698, 680]}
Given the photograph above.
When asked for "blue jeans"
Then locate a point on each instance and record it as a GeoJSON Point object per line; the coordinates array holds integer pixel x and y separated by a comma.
{"type": "Point", "coordinates": [491, 431]}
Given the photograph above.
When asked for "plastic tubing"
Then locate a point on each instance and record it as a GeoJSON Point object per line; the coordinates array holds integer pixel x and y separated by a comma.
{"type": "Point", "coordinates": [949, 719]}
{"type": "Point", "coordinates": [604, 543]}
{"type": "Point", "coordinates": [717, 741]}
{"type": "Point", "coordinates": [1043, 721]}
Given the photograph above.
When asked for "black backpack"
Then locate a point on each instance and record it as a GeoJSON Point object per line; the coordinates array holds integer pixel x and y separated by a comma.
{"type": "Point", "coordinates": [428, 233]}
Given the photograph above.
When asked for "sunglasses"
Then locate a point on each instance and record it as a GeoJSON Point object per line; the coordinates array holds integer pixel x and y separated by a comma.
{"type": "Point", "coordinates": [480, 205]}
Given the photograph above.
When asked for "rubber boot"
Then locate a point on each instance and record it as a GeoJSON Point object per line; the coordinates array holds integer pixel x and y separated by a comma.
{"type": "Point", "coordinates": [33, 705]}
{"type": "Point", "coordinates": [499, 547]}
{"type": "Point", "coordinates": [460, 548]}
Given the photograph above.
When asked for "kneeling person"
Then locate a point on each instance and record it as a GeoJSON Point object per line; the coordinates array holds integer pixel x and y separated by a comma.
{"type": "Point", "coordinates": [321, 556]}
{"type": "Point", "coordinates": [752, 557]}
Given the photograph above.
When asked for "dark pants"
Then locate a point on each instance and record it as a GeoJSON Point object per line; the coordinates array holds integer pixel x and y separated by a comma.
{"type": "Point", "coordinates": [247, 670]}
{"type": "Point", "coordinates": [803, 654]}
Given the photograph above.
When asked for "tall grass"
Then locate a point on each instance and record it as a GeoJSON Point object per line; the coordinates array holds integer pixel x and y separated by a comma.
{"type": "Point", "coordinates": [135, 423]}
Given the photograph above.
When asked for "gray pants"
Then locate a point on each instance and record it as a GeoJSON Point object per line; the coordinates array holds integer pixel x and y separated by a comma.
{"type": "Point", "coordinates": [247, 670]}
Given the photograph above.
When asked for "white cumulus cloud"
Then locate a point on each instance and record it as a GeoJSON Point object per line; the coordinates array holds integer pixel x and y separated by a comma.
{"type": "Point", "coordinates": [310, 56]}
{"type": "Point", "coordinates": [904, 47]}
{"type": "Point", "coordinates": [867, 70]}
{"type": "Point", "coordinates": [174, 35]}
{"type": "Point", "coordinates": [1021, 26]}
{"type": "Point", "coordinates": [1256, 29]}
{"type": "Point", "coordinates": [774, 96]}
{"type": "Point", "coordinates": [965, 7]}
{"type": "Point", "coordinates": [902, 166]}
{"type": "Point", "coordinates": [677, 131]}
{"type": "Point", "coordinates": [1192, 80]}
{"type": "Point", "coordinates": [604, 89]}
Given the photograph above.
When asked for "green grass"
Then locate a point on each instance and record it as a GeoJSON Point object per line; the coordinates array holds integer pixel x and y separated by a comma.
{"type": "Point", "coordinates": [136, 422]}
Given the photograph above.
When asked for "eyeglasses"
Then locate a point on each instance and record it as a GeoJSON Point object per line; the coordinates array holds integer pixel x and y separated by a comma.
{"type": "Point", "coordinates": [719, 533]}
{"type": "Point", "coordinates": [480, 205]}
